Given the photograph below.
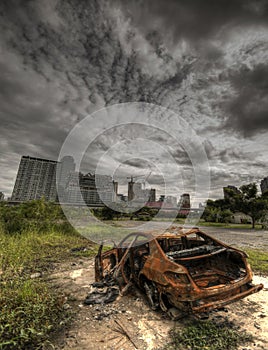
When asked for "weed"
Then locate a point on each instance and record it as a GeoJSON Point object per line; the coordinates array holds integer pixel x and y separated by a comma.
{"type": "Point", "coordinates": [201, 335]}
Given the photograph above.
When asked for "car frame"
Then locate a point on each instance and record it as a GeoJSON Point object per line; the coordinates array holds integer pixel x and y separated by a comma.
{"type": "Point", "coordinates": [186, 269]}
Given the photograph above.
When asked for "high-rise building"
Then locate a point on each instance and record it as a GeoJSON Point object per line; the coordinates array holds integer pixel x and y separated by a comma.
{"type": "Point", "coordinates": [66, 167]}
{"type": "Point", "coordinates": [131, 193]}
{"type": "Point", "coordinates": [36, 178]}
{"type": "Point", "coordinates": [137, 193]}
{"type": "Point", "coordinates": [152, 195]}
{"type": "Point", "coordinates": [90, 189]}
{"type": "Point", "coordinates": [264, 185]}
{"type": "Point", "coordinates": [184, 202]}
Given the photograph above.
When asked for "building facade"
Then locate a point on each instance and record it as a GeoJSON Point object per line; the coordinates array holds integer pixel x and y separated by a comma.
{"type": "Point", "coordinates": [264, 185]}
{"type": "Point", "coordinates": [65, 167]}
{"type": "Point", "coordinates": [36, 178]}
{"type": "Point", "coordinates": [185, 202]}
{"type": "Point", "coordinates": [90, 189]}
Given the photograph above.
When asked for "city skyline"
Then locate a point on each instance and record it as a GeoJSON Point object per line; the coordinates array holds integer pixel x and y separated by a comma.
{"type": "Point", "coordinates": [206, 61]}
{"type": "Point", "coordinates": [36, 177]}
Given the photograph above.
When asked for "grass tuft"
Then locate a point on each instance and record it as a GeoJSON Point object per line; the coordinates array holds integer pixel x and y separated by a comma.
{"type": "Point", "coordinates": [258, 260]}
{"type": "Point", "coordinates": [201, 335]}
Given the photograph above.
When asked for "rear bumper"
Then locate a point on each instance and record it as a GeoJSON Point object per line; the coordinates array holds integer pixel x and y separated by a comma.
{"type": "Point", "coordinates": [222, 300]}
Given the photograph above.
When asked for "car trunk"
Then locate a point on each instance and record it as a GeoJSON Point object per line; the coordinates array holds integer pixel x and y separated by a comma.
{"type": "Point", "coordinates": [211, 266]}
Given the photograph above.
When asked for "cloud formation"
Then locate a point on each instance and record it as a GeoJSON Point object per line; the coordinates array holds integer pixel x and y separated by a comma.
{"type": "Point", "coordinates": [206, 60]}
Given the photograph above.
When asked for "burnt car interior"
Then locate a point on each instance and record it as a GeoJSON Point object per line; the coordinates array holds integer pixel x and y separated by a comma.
{"type": "Point", "coordinates": [208, 263]}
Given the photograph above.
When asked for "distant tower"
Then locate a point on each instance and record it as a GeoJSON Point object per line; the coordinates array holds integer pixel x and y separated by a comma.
{"type": "Point", "coordinates": [115, 191]}
{"type": "Point", "coordinates": [185, 201]}
{"type": "Point", "coordinates": [152, 195]}
{"type": "Point", "coordinates": [115, 185]}
{"type": "Point", "coordinates": [131, 190]}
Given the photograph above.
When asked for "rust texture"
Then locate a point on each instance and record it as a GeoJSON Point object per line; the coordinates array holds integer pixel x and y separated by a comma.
{"type": "Point", "coordinates": [188, 270]}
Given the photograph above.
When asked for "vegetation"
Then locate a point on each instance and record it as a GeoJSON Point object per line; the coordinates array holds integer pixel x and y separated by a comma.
{"type": "Point", "coordinates": [33, 237]}
{"type": "Point", "coordinates": [258, 259]}
{"type": "Point", "coordinates": [200, 335]}
{"type": "Point", "coordinates": [229, 225]}
{"type": "Point", "coordinates": [143, 214]}
{"type": "Point", "coordinates": [245, 200]}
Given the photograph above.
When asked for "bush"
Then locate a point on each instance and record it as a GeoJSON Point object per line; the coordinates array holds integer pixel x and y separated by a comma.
{"type": "Point", "coordinates": [37, 215]}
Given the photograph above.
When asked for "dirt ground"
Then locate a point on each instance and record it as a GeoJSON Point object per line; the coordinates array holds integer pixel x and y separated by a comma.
{"type": "Point", "coordinates": [128, 323]}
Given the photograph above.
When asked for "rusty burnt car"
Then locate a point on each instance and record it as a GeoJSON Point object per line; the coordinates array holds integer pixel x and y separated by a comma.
{"type": "Point", "coordinates": [189, 270]}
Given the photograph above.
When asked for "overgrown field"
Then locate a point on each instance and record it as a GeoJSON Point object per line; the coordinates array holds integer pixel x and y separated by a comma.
{"type": "Point", "coordinates": [32, 239]}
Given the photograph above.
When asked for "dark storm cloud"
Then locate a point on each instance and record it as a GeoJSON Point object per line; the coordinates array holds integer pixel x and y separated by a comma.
{"type": "Point", "coordinates": [248, 111]}
{"type": "Point", "coordinates": [84, 50]}
{"type": "Point", "coordinates": [63, 59]}
{"type": "Point", "coordinates": [195, 19]}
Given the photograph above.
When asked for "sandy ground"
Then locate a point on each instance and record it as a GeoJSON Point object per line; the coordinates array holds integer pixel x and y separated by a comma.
{"type": "Point", "coordinates": [128, 323]}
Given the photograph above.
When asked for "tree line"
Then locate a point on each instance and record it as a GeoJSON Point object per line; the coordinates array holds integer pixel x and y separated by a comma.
{"type": "Point", "coordinates": [246, 201]}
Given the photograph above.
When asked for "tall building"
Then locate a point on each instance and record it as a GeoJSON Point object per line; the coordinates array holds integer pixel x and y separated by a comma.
{"type": "Point", "coordinates": [264, 185]}
{"type": "Point", "coordinates": [137, 193]}
{"type": "Point", "coordinates": [152, 195]}
{"type": "Point", "coordinates": [66, 167]}
{"type": "Point", "coordinates": [36, 178]}
{"type": "Point", "coordinates": [184, 202]}
{"type": "Point", "coordinates": [131, 193]}
{"type": "Point", "coordinates": [90, 189]}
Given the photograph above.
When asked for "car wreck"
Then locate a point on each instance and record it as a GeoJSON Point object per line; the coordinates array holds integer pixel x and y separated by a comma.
{"type": "Point", "coordinates": [184, 269]}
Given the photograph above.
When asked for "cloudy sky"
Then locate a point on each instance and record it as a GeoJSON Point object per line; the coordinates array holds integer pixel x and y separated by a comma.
{"type": "Point", "coordinates": [205, 60]}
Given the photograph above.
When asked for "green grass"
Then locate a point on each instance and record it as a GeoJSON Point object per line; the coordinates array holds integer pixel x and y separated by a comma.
{"type": "Point", "coordinates": [201, 335]}
{"type": "Point", "coordinates": [226, 225]}
{"type": "Point", "coordinates": [258, 260]}
{"type": "Point", "coordinates": [106, 233]}
{"type": "Point", "coordinates": [29, 308]}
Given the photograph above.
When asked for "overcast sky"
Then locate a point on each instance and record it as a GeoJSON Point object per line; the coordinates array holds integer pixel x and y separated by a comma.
{"type": "Point", "coordinates": [206, 60]}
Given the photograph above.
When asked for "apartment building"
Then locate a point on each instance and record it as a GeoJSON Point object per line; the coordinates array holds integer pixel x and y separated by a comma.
{"type": "Point", "coordinates": [36, 178]}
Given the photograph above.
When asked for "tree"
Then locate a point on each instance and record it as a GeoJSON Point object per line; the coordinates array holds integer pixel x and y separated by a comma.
{"type": "Point", "coordinates": [249, 203]}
